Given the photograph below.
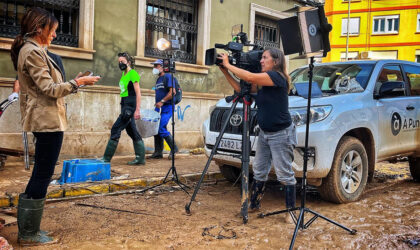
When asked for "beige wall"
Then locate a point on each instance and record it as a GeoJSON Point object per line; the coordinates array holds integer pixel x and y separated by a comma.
{"type": "Point", "coordinates": [93, 110]}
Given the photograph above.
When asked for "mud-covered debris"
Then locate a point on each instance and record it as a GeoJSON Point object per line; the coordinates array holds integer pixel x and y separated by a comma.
{"type": "Point", "coordinates": [197, 151]}
{"type": "Point", "coordinates": [219, 232]}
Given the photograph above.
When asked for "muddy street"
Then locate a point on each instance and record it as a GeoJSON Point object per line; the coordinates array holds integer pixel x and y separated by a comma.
{"type": "Point", "coordinates": [386, 217]}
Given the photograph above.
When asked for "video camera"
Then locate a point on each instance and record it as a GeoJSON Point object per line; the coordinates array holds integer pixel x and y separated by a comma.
{"type": "Point", "coordinates": [249, 61]}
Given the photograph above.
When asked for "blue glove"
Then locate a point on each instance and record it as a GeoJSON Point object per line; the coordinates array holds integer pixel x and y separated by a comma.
{"type": "Point", "coordinates": [13, 96]}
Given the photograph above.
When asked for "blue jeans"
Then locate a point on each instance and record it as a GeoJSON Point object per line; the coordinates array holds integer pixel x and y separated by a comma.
{"type": "Point", "coordinates": [277, 148]}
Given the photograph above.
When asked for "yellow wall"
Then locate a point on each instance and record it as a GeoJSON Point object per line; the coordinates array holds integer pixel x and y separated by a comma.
{"type": "Point", "coordinates": [406, 42]}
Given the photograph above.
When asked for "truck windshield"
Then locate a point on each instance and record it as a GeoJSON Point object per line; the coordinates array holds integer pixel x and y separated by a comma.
{"type": "Point", "coordinates": [337, 78]}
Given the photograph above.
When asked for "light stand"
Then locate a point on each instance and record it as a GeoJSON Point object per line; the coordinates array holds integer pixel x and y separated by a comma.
{"type": "Point", "coordinates": [300, 224]}
{"type": "Point", "coordinates": [169, 66]}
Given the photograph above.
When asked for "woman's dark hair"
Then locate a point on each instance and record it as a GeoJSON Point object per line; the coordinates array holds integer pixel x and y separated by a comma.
{"type": "Point", "coordinates": [127, 56]}
{"type": "Point", "coordinates": [34, 20]}
{"type": "Point", "coordinates": [280, 64]}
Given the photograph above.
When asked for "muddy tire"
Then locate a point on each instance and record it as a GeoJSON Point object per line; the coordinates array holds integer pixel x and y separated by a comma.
{"type": "Point", "coordinates": [231, 173]}
{"type": "Point", "coordinates": [349, 171]}
{"type": "Point", "coordinates": [415, 168]}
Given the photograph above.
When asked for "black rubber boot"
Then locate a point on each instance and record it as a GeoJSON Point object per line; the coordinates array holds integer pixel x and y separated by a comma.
{"type": "Point", "coordinates": [139, 151]}
{"type": "Point", "coordinates": [170, 140]}
{"type": "Point", "coordinates": [157, 154]}
{"type": "Point", "coordinates": [29, 220]}
{"type": "Point", "coordinates": [110, 150]}
{"type": "Point", "coordinates": [290, 191]}
{"type": "Point", "coordinates": [257, 192]}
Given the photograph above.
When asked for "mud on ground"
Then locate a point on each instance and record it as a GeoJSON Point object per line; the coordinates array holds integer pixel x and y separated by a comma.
{"type": "Point", "coordinates": [386, 217]}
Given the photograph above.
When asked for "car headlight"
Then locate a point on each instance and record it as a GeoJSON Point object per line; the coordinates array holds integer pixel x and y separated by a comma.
{"type": "Point", "coordinates": [318, 113]}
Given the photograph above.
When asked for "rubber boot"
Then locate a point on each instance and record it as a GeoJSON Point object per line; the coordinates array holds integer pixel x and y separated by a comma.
{"type": "Point", "coordinates": [290, 194]}
{"type": "Point", "coordinates": [29, 220]}
{"type": "Point", "coordinates": [139, 152]}
{"type": "Point", "coordinates": [157, 154]}
{"type": "Point", "coordinates": [170, 140]}
{"type": "Point", "coordinates": [110, 150]}
{"type": "Point", "coordinates": [257, 192]}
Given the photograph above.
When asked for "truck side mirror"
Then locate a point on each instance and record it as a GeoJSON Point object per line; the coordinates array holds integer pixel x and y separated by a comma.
{"type": "Point", "coordinates": [391, 89]}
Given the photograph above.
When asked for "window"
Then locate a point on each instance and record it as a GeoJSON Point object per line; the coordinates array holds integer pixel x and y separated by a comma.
{"type": "Point", "coordinates": [378, 55]}
{"type": "Point", "coordinates": [266, 32]}
{"type": "Point", "coordinates": [389, 73]}
{"type": "Point", "coordinates": [203, 14]}
{"type": "Point", "coordinates": [351, 55]}
{"type": "Point", "coordinates": [66, 12]}
{"type": "Point", "coordinates": [257, 12]}
{"type": "Point", "coordinates": [353, 26]}
{"type": "Point", "coordinates": [75, 30]}
{"type": "Point", "coordinates": [418, 22]}
{"type": "Point", "coordinates": [413, 76]}
{"type": "Point", "coordinates": [386, 24]}
{"type": "Point", "coordinates": [172, 20]}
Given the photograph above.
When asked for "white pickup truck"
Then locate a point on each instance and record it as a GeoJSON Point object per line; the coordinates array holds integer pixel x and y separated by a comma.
{"type": "Point", "coordinates": [363, 112]}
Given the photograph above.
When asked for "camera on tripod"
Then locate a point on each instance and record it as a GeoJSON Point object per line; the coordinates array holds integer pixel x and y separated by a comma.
{"type": "Point", "coordinates": [249, 61]}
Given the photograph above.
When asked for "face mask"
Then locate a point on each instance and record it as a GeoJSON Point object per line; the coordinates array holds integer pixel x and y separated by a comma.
{"type": "Point", "coordinates": [122, 66]}
{"type": "Point", "coordinates": [155, 71]}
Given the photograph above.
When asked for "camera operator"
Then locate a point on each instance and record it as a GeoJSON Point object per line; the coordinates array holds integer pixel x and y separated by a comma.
{"type": "Point", "coordinates": [277, 136]}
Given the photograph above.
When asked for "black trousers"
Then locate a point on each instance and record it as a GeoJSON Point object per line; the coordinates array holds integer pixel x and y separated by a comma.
{"type": "Point", "coordinates": [47, 149]}
{"type": "Point", "coordinates": [126, 120]}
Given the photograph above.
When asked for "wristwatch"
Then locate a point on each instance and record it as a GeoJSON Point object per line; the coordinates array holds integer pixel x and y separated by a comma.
{"type": "Point", "coordinates": [162, 101]}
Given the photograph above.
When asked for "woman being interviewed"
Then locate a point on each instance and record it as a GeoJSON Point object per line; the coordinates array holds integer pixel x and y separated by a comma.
{"type": "Point", "coordinates": [43, 113]}
{"type": "Point", "coordinates": [277, 137]}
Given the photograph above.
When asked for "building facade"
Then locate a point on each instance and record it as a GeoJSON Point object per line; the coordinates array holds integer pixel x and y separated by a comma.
{"type": "Point", "coordinates": [378, 29]}
{"type": "Point", "coordinates": [92, 32]}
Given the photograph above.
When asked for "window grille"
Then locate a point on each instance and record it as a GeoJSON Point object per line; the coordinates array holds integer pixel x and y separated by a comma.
{"type": "Point", "coordinates": [266, 32]}
{"type": "Point", "coordinates": [66, 12]}
{"type": "Point", "coordinates": [172, 20]}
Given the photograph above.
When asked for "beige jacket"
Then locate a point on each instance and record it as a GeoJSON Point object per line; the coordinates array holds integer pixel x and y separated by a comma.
{"type": "Point", "coordinates": [41, 90]}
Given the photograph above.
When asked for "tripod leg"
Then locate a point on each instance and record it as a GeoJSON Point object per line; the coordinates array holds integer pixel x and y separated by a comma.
{"type": "Point", "coordinates": [352, 231]}
{"type": "Point", "coordinates": [245, 160]}
{"type": "Point", "coordinates": [213, 151]}
{"type": "Point", "coordinates": [25, 149]}
{"type": "Point", "coordinates": [298, 225]}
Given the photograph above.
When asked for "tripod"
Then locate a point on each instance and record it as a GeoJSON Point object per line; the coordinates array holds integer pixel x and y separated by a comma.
{"type": "Point", "coordinates": [245, 96]}
{"type": "Point", "coordinates": [172, 169]}
{"type": "Point", "coordinates": [300, 224]}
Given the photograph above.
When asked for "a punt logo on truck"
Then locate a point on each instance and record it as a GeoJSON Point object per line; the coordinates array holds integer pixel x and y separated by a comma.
{"type": "Point", "coordinates": [406, 125]}
{"type": "Point", "coordinates": [396, 123]}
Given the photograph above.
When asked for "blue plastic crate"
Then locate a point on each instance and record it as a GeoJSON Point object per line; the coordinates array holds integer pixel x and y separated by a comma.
{"type": "Point", "coordinates": [80, 170]}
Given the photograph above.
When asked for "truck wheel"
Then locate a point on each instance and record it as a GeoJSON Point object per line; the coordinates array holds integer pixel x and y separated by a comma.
{"type": "Point", "coordinates": [415, 168]}
{"type": "Point", "coordinates": [231, 173]}
{"type": "Point", "coordinates": [348, 175]}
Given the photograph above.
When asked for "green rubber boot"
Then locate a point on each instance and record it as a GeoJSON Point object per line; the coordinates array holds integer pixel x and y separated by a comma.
{"type": "Point", "coordinates": [140, 152]}
{"type": "Point", "coordinates": [110, 150]}
{"type": "Point", "coordinates": [29, 221]}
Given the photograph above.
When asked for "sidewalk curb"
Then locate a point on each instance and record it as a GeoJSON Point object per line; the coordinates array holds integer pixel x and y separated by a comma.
{"type": "Point", "coordinates": [109, 186]}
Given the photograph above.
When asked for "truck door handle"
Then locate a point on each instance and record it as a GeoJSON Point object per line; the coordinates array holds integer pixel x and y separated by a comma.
{"type": "Point", "coordinates": [409, 107]}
